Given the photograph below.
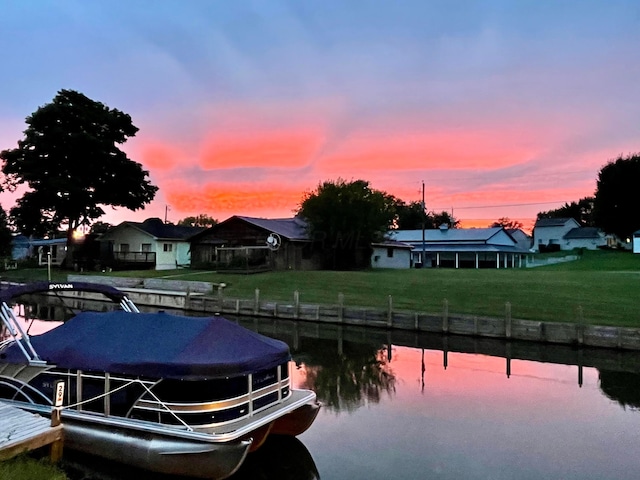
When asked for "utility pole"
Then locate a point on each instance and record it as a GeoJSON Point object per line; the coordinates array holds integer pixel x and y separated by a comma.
{"type": "Point", "coordinates": [424, 213]}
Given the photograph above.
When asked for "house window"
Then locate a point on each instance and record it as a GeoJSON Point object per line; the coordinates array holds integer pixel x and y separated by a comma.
{"type": "Point", "coordinates": [124, 247]}
{"type": "Point", "coordinates": [390, 252]}
{"type": "Point", "coordinates": [168, 247]}
{"type": "Point", "coordinates": [146, 247]}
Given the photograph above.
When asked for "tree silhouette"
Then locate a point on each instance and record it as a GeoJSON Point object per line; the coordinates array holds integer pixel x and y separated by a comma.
{"type": "Point", "coordinates": [70, 161]}
{"type": "Point", "coordinates": [617, 203]}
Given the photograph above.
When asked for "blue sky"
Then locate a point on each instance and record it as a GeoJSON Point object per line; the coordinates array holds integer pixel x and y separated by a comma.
{"type": "Point", "coordinates": [502, 108]}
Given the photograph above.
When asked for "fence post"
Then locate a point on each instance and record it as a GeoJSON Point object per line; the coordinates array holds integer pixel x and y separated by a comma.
{"type": "Point", "coordinates": [256, 305]}
{"type": "Point", "coordinates": [445, 316]}
{"type": "Point", "coordinates": [340, 307]}
{"type": "Point", "coordinates": [507, 320]}
{"type": "Point", "coordinates": [296, 304]}
{"type": "Point", "coordinates": [390, 312]}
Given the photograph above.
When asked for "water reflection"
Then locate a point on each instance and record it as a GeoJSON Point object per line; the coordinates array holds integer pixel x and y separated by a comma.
{"type": "Point", "coordinates": [622, 387]}
{"type": "Point", "coordinates": [407, 405]}
{"type": "Point", "coordinates": [347, 376]}
{"type": "Point", "coordinates": [350, 366]}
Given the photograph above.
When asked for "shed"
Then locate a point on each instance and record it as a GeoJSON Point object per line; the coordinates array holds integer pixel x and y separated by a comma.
{"type": "Point", "coordinates": [391, 254]}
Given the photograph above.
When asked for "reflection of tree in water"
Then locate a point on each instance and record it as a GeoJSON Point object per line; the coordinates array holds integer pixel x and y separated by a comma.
{"type": "Point", "coordinates": [346, 378]}
{"type": "Point", "coordinates": [622, 387]}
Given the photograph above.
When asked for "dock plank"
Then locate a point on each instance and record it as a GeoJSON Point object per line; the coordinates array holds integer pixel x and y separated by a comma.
{"type": "Point", "coordinates": [22, 431]}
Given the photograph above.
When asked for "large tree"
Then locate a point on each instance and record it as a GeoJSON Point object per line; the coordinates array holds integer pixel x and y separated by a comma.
{"type": "Point", "coordinates": [444, 218]}
{"type": "Point", "coordinates": [71, 163]}
{"type": "Point", "coordinates": [344, 218]}
{"type": "Point", "coordinates": [581, 211]}
{"type": "Point", "coordinates": [412, 216]}
{"type": "Point", "coordinates": [616, 206]}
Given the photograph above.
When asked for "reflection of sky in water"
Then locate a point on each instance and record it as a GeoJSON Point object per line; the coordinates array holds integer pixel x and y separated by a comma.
{"type": "Point", "coordinates": [472, 422]}
{"type": "Point", "coordinates": [33, 326]}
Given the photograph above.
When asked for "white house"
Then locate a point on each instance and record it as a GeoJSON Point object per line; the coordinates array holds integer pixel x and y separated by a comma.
{"type": "Point", "coordinates": [150, 244]}
{"type": "Point", "coordinates": [462, 247]}
{"type": "Point", "coordinates": [590, 238]}
{"type": "Point", "coordinates": [522, 239]}
{"type": "Point", "coordinates": [567, 234]}
{"type": "Point", "coordinates": [550, 231]}
{"type": "Point", "coordinates": [391, 254]}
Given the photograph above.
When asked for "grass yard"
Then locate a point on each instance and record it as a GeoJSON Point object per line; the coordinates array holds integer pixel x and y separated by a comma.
{"type": "Point", "coordinates": [604, 285]}
{"type": "Point", "coordinates": [27, 468]}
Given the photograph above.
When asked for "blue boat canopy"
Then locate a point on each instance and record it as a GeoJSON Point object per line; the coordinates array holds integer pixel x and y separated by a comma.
{"type": "Point", "coordinates": [157, 345]}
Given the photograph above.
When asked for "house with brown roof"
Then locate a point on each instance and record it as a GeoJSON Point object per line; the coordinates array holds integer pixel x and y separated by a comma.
{"type": "Point", "coordinates": [250, 244]}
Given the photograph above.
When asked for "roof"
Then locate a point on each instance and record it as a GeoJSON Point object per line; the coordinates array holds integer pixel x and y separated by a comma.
{"type": "Point", "coordinates": [583, 232]}
{"type": "Point", "coordinates": [450, 235]}
{"type": "Point", "coordinates": [553, 222]}
{"type": "Point", "coordinates": [392, 244]}
{"type": "Point", "coordinates": [156, 345]}
{"type": "Point", "coordinates": [160, 230]}
{"type": "Point", "coordinates": [291, 228]}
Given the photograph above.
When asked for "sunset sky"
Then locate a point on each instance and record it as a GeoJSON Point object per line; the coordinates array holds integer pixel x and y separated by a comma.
{"type": "Point", "coordinates": [503, 108]}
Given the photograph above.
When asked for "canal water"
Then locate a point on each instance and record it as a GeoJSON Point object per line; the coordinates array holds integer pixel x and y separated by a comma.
{"type": "Point", "coordinates": [411, 406]}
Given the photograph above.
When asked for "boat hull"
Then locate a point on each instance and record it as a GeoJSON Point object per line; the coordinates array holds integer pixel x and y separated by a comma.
{"type": "Point", "coordinates": [157, 453]}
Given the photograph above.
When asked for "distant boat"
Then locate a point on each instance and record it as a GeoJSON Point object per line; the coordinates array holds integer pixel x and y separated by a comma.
{"type": "Point", "coordinates": [168, 393]}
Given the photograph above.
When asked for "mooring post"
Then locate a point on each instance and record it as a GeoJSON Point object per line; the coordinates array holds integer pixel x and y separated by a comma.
{"type": "Point", "coordinates": [390, 312]}
{"type": "Point", "coordinates": [55, 451]}
{"type": "Point", "coordinates": [220, 297]}
{"type": "Point", "coordinates": [580, 325]}
{"type": "Point", "coordinates": [507, 320]}
{"type": "Point", "coordinates": [445, 316]}
{"type": "Point", "coordinates": [256, 306]}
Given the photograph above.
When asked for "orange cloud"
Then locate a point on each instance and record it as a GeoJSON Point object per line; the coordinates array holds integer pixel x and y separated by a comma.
{"type": "Point", "coordinates": [292, 148]}
{"type": "Point", "coordinates": [159, 155]}
{"type": "Point", "coordinates": [222, 200]}
{"type": "Point", "coordinates": [447, 149]}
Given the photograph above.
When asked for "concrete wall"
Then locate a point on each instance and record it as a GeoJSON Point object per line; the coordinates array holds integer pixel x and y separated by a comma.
{"type": "Point", "coordinates": [148, 283]}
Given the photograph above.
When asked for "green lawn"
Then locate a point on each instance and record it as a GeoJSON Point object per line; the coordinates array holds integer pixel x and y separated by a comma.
{"type": "Point", "coordinates": [604, 285]}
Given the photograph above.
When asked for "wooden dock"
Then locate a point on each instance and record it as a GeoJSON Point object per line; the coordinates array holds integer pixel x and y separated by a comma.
{"type": "Point", "coordinates": [22, 431]}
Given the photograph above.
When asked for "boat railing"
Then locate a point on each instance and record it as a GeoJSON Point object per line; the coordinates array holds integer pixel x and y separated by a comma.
{"type": "Point", "coordinates": [18, 335]}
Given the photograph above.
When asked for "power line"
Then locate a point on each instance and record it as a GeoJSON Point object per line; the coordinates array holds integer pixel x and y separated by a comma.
{"type": "Point", "coordinates": [503, 205]}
